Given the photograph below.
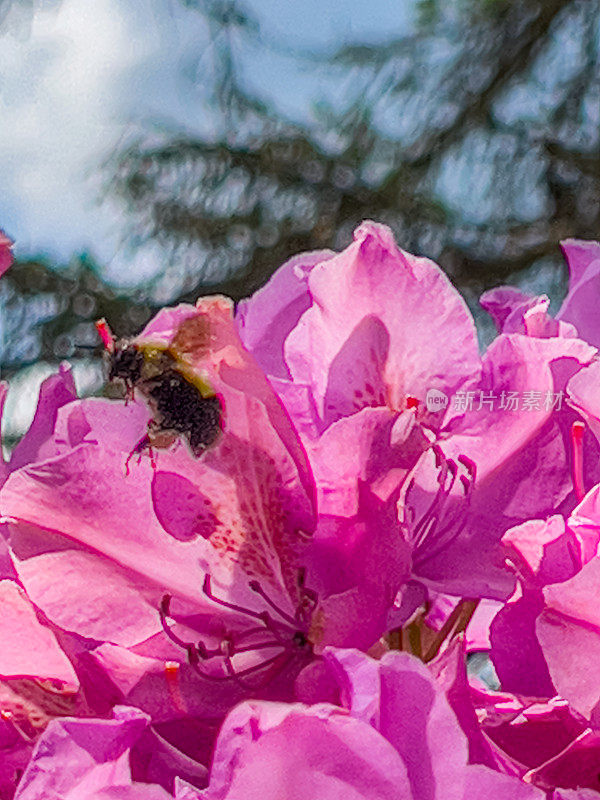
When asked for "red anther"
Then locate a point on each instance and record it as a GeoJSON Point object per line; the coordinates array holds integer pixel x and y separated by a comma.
{"type": "Point", "coordinates": [411, 402]}
{"type": "Point", "coordinates": [172, 676]}
{"type": "Point", "coordinates": [577, 430]}
{"type": "Point", "coordinates": [8, 716]}
{"type": "Point", "coordinates": [108, 340]}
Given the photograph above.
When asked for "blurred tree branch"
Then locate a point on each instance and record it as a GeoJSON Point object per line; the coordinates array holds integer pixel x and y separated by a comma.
{"type": "Point", "coordinates": [466, 134]}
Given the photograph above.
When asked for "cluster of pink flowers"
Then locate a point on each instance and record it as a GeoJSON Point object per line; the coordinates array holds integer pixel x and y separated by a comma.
{"type": "Point", "coordinates": [289, 615]}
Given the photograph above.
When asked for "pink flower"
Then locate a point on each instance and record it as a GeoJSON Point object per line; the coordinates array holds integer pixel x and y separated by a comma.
{"type": "Point", "coordinates": [579, 307]}
{"type": "Point", "coordinates": [568, 627]}
{"type": "Point", "coordinates": [88, 758]}
{"type": "Point", "coordinates": [352, 348]}
{"type": "Point", "coordinates": [216, 550]}
{"type": "Point", "coordinates": [5, 253]}
{"type": "Point", "coordinates": [350, 331]}
{"type": "Point", "coordinates": [109, 547]}
{"type": "Point", "coordinates": [549, 556]}
{"type": "Point", "coordinates": [514, 311]}
{"type": "Point", "coordinates": [37, 683]}
{"type": "Point", "coordinates": [393, 737]}
{"type": "Point", "coordinates": [493, 466]}
{"type": "Point", "coordinates": [55, 392]}
{"type": "Point", "coordinates": [545, 742]}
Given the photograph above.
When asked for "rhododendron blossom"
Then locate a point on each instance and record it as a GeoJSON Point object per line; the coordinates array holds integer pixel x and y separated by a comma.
{"type": "Point", "coordinates": [221, 620]}
{"type": "Point", "coordinates": [5, 253]}
{"type": "Point", "coordinates": [394, 736]}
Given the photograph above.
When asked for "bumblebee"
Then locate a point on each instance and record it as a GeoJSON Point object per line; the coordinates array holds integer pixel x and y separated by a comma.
{"type": "Point", "coordinates": [183, 404]}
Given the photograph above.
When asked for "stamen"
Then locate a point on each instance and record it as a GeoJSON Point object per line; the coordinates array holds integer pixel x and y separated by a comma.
{"type": "Point", "coordinates": [469, 465]}
{"type": "Point", "coordinates": [286, 637]}
{"type": "Point", "coordinates": [206, 588]}
{"type": "Point", "coordinates": [200, 648]}
{"type": "Point", "coordinates": [269, 645]}
{"type": "Point", "coordinates": [423, 523]}
{"type": "Point", "coordinates": [108, 340]}
{"type": "Point", "coordinates": [577, 431]}
{"type": "Point", "coordinates": [431, 526]}
{"type": "Point", "coordinates": [309, 596]}
{"type": "Point", "coordinates": [257, 588]}
{"type": "Point", "coordinates": [164, 612]}
{"type": "Point", "coordinates": [245, 673]}
{"type": "Point", "coordinates": [264, 616]}
{"type": "Point", "coordinates": [440, 458]}
{"type": "Point", "coordinates": [431, 516]}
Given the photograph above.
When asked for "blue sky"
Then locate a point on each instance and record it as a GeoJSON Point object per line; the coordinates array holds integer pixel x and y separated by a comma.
{"type": "Point", "coordinates": [80, 76]}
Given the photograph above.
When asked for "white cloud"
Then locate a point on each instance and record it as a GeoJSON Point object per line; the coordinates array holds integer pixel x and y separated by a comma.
{"type": "Point", "coordinates": [77, 76]}
{"type": "Point", "coordinates": [68, 92]}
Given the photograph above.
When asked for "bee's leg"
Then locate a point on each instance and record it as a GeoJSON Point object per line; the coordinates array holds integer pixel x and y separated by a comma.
{"type": "Point", "coordinates": [152, 458]}
{"type": "Point", "coordinates": [143, 444]}
{"type": "Point", "coordinates": [129, 392]}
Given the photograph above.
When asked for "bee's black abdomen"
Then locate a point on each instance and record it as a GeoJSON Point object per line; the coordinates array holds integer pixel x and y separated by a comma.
{"type": "Point", "coordinates": [207, 425]}
{"type": "Point", "coordinates": [180, 407]}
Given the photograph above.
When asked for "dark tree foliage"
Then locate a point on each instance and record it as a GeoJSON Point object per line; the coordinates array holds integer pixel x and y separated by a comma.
{"type": "Point", "coordinates": [497, 101]}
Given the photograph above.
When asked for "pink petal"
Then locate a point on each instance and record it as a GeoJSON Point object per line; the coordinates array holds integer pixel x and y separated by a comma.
{"type": "Point", "coordinates": [568, 630]}
{"type": "Point", "coordinates": [483, 783]}
{"type": "Point", "coordinates": [583, 395]}
{"type": "Point", "coordinates": [4, 469]}
{"type": "Point", "coordinates": [523, 468]}
{"type": "Point", "coordinates": [398, 697]}
{"type": "Point", "coordinates": [105, 602]}
{"type": "Point", "coordinates": [6, 258]}
{"type": "Point", "coordinates": [450, 672]}
{"type": "Point", "coordinates": [355, 345]}
{"type": "Point", "coordinates": [580, 305]}
{"type": "Point", "coordinates": [269, 751]}
{"type": "Point", "coordinates": [506, 305]}
{"type": "Point", "coordinates": [259, 454]}
{"type": "Point", "coordinates": [190, 707]}
{"type": "Point", "coordinates": [87, 758]}
{"type": "Point", "coordinates": [526, 733]}
{"type": "Point", "coordinates": [575, 794]}
{"type": "Point", "coordinates": [575, 767]}
{"type": "Point", "coordinates": [55, 392]}
{"type": "Point", "coordinates": [547, 551]}
{"type": "Point", "coordinates": [120, 541]}
{"type": "Point", "coordinates": [515, 650]}
{"type": "Point", "coordinates": [514, 311]}
{"type": "Point", "coordinates": [265, 319]}
{"type": "Point", "coordinates": [29, 649]}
